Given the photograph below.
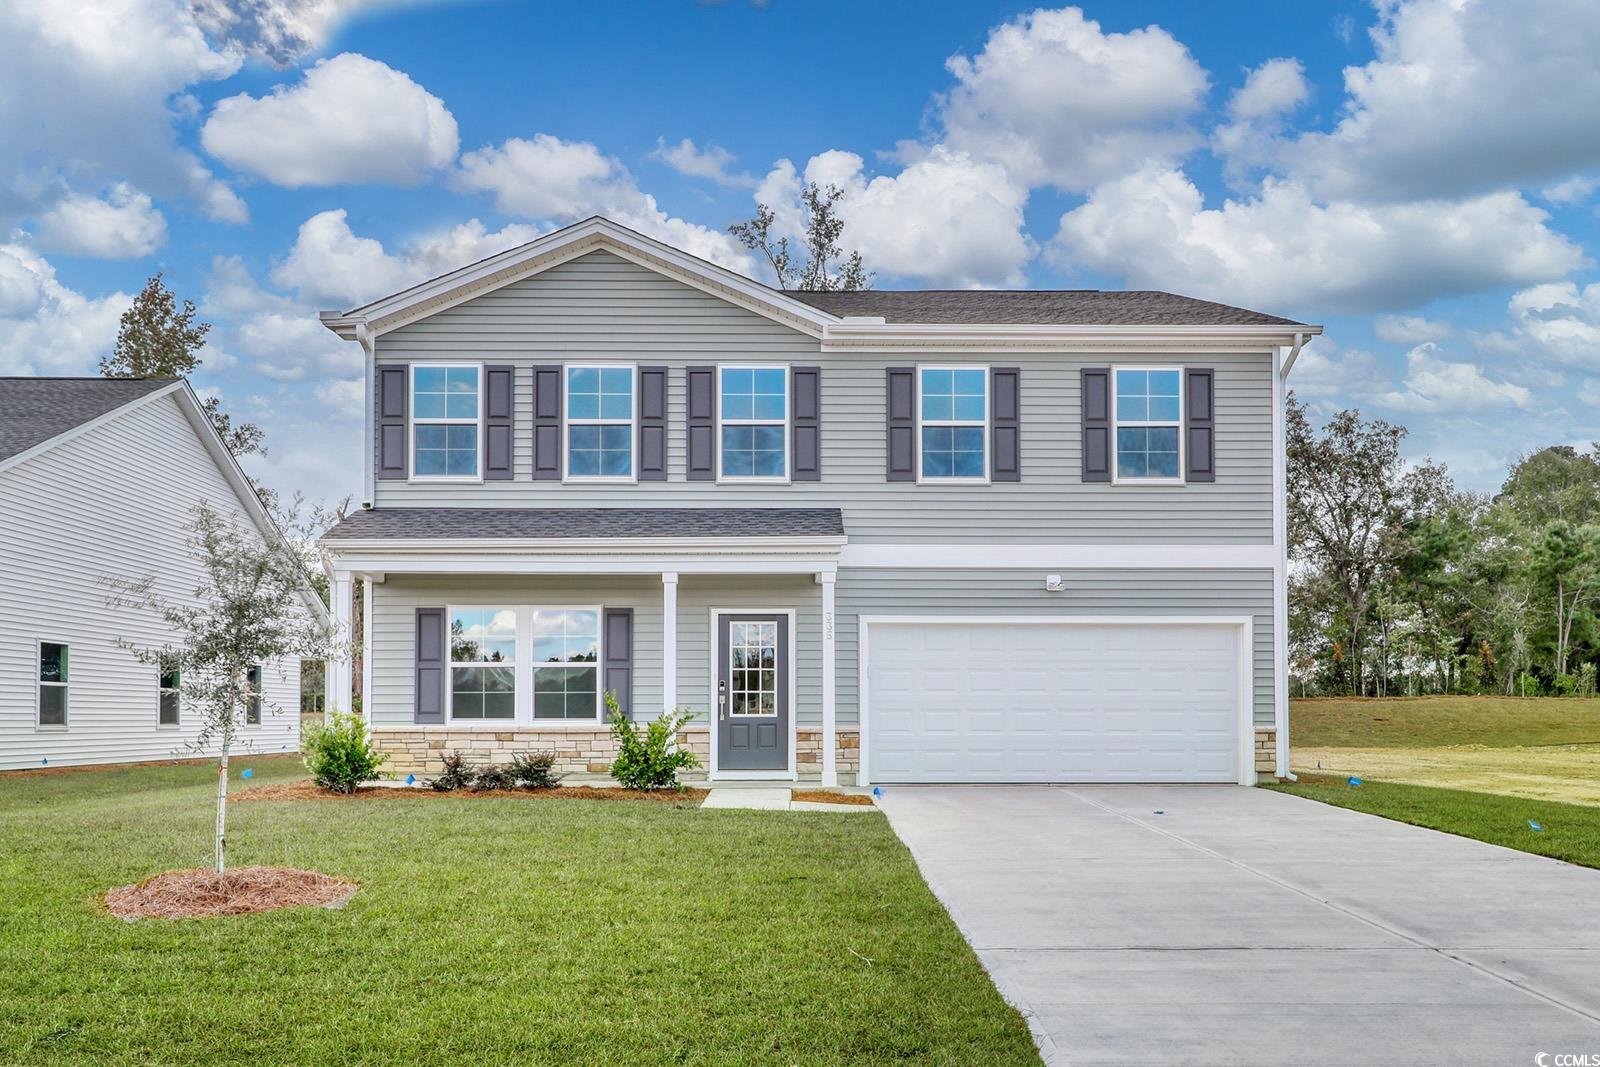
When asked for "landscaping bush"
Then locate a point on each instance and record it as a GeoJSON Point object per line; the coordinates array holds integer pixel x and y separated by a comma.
{"type": "Point", "coordinates": [651, 760]}
{"type": "Point", "coordinates": [491, 777]}
{"type": "Point", "coordinates": [456, 774]}
{"type": "Point", "coordinates": [535, 770]}
{"type": "Point", "coordinates": [339, 754]}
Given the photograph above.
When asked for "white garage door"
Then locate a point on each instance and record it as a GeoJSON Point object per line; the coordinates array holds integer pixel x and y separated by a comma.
{"type": "Point", "coordinates": [1045, 702]}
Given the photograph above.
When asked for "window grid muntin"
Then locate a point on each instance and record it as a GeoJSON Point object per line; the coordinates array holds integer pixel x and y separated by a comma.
{"type": "Point", "coordinates": [574, 634]}
{"type": "Point", "coordinates": [481, 653]}
{"type": "Point", "coordinates": [455, 428]}
{"type": "Point", "coordinates": [169, 686]}
{"type": "Point", "coordinates": [605, 417]}
{"type": "Point", "coordinates": [54, 681]}
{"type": "Point", "coordinates": [759, 681]}
{"type": "Point", "coordinates": [1173, 424]}
{"type": "Point", "coordinates": [754, 421]}
{"type": "Point", "coordinates": [967, 422]}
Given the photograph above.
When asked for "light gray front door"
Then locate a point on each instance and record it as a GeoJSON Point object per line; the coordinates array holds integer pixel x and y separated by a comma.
{"type": "Point", "coordinates": [753, 692]}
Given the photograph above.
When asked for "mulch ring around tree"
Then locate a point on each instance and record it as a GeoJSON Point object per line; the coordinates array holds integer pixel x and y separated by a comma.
{"type": "Point", "coordinates": [306, 789]}
{"type": "Point", "coordinates": [203, 893]}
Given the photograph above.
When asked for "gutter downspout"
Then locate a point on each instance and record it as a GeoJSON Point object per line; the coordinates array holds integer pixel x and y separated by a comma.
{"type": "Point", "coordinates": [369, 349]}
{"type": "Point", "coordinates": [1280, 595]}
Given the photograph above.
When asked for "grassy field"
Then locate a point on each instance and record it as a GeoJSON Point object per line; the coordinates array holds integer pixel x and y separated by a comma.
{"type": "Point", "coordinates": [1539, 748]}
{"type": "Point", "coordinates": [485, 930]}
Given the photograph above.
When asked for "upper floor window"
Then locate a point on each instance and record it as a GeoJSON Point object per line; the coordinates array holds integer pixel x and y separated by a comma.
{"type": "Point", "coordinates": [953, 403]}
{"type": "Point", "coordinates": [600, 419]}
{"type": "Point", "coordinates": [167, 713]}
{"type": "Point", "coordinates": [1149, 423]}
{"type": "Point", "coordinates": [753, 405]}
{"type": "Point", "coordinates": [52, 684]}
{"type": "Point", "coordinates": [446, 412]}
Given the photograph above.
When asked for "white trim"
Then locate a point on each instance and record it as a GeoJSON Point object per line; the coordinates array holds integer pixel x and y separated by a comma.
{"type": "Point", "coordinates": [176, 691]}
{"type": "Point", "coordinates": [1001, 556]}
{"type": "Point", "coordinates": [519, 656]}
{"type": "Point", "coordinates": [457, 563]}
{"type": "Point", "coordinates": [85, 427]}
{"type": "Point", "coordinates": [596, 546]}
{"type": "Point", "coordinates": [669, 642]}
{"type": "Point", "coordinates": [830, 725]}
{"type": "Point", "coordinates": [568, 422]}
{"type": "Point", "coordinates": [369, 404]}
{"type": "Point", "coordinates": [788, 432]}
{"type": "Point", "coordinates": [1280, 583]}
{"type": "Point", "coordinates": [39, 683]}
{"type": "Point", "coordinates": [414, 420]}
{"type": "Point", "coordinates": [860, 336]}
{"type": "Point", "coordinates": [1246, 696]}
{"type": "Point", "coordinates": [259, 699]}
{"type": "Point", "coordinates": [1116, 477]}
{"type": "Point", "coordinates": [953, 423]}
{"type": "Point", "coordinates": [715, 633]}
{"type": "Point", "coordinates": [366, 652]}
{"type": "Point", "coordinates": [336, 671]}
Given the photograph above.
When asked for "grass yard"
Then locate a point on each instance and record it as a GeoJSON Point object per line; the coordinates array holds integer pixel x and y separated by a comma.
{"type": "Point", "coordinates": [485, 930]}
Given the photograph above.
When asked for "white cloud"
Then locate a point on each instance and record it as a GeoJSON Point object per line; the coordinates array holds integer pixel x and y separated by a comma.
{"type": "Point", "coordinates": [345, 396]}
{"type": "Point", "coordinates": [1554, 323]}
{"type": "Point", "coordinates": [1589, 392]}
{"type": "Point", "coordinates": [1572, 191]}
{"type": "Point", "coordinates": [46, 327]}
{"type": "Point", "coordinates": [712, 163]}
{"type": "Point", "coordinates": [1283, 249]}
{"type": "Point", "coordinates": [349, 120]}
{"type": "Point", "coordinates": [1325, 370]}
{"type": "Point", "coordinates": [123, 225]}
{"type": "Point", "coordinates": [1058, 101]}
{"type": "Point", "coordinates": [1410, 329]}
{"type": "Point", "coordinates": [278, 31]}
{"type": "Point", "coordinates": [271, 334]}
{"type": "Point", "coordinates": [1258, 115]}
{"type": "Point", "coordinates": [1434, 385]}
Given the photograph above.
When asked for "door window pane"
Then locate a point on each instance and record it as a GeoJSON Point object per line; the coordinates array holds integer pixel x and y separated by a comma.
{"type": "Point", "coordinates": [752, 668]}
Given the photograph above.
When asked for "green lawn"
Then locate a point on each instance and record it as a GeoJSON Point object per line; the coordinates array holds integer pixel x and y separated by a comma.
{"type": "Point", "coordinates": [1428, 722]}
{"type": "Point", "coordinates": [485, 930]}
{"type": "Point", "coordinates": [1571, 831]}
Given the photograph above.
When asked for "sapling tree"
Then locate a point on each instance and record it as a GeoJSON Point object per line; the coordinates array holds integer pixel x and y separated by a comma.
{"type": "Point", "coordinates": [248, 611]}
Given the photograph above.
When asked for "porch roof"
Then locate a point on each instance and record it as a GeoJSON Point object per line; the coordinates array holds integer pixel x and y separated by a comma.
{"type": "Point", "coordinates": [571, 524]}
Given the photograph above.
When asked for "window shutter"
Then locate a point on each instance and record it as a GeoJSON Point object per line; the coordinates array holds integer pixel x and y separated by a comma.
{"type": "Point", "coordinates": [619, 657]}
{"type": "Point", "coordinates": [1005, 423]}
{"type": "Point", "coordinates": [430, 666]}
{"type": "Point", "coordinates": [652, 424]}
{"type": "Point", "coordinates": [805, 385]}
{"type": "Point", "coordinates": [1199, 416]}
{"type": "Point", "coordinates": [702, 428]}
{"type": "Point", "coordinates": [900, 414]}
{"type": "Point", "coordinates": [392, 402]}
{"type": "Point", "coordinates": [1096, 424]}
{"type": "Point", "coordinates": [498, 389]}
{"type": "Point", "coordinates": [547, 422]}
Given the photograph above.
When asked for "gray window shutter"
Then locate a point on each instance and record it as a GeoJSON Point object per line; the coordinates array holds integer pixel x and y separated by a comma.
{"type": "Point", "coordinates": [702, 419]}
{"type": "Point", "coordinates": [619, 657]}
{"type": "Point", "coordinates": [547, 422]}
{"type": "Point", "coordinates": [1199, 416]}
{"type": "Point", "coordinates": [1005, 423]}
{"type": "Point", "coordinates": [900, 413]}
{"type": "Point", "coordinates": [392, 403]}
{"type": "Point", "coordinates": [652, 424]}
{"type": "Point", "coordinates": [805, 404]}
{"type": "Point", "coordinates": [1096, 424]}
{"type": "Point", "coordinates": [430, 665]}
{"type": "Point", "coordinates": [498, 424]}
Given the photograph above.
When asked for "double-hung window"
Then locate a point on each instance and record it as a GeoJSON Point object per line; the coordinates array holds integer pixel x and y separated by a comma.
{"type": "Point", "coordinates": [483, 663]}
{"type": "Point", "coordinates": [753, 408]}
{"type": "Point", "coordinates": [566, 663]}
{"type": "Point", "coordinates": [446, 416]}
{"type": "Point", "coordinates": [601, 412]}
{"type": "Point", "coordinates": [953, 405]}
{"type": "Point", "coordinates": [167, 706]}
{"type": "Point", "coordinates": [252, 711]}
{"type": "Point", "coordinates": [52, 684]}
{"type": "Point", "coordinates": [1149, 424]}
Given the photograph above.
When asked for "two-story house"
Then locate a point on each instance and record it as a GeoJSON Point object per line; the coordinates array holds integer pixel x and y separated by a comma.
{"type": "Point", "coordinates": [882, 536]}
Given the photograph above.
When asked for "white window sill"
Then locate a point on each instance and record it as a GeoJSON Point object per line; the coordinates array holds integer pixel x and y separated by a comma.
{"type": "Point", "coordinates": [752, 481]}
{"type": "Point", "coordinates": [50, 727]}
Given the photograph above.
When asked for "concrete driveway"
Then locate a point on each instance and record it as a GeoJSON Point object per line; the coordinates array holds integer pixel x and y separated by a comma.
{"type": "Point", "coordinates": [1221, 925]}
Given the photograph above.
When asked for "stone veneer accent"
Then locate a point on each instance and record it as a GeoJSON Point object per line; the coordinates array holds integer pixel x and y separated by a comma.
{"type": "Point", "coordinates": [1266, 750]}
{"type": "Point", "coordinates": [808, 754]}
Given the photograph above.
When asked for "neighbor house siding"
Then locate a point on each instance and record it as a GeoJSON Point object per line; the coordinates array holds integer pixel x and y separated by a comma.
{"type": "Point", "coordinates": [601, 306]}
{"type": "Point", "coordinates": [113, 501]}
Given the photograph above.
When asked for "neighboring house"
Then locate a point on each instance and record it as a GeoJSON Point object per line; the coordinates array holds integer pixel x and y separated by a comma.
{"type": "Point", "coordinates": [877, 536]}
{"type": "Point", "coordinates": [99, 478]}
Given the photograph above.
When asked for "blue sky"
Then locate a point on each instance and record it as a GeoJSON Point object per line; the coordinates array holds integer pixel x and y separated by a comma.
{"type": "Point", "coordinates": [1418, 176]}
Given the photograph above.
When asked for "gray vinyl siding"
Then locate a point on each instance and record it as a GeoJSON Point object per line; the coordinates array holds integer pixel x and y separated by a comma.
{"type": "Point", "coordinates": [698, 594]}
{"type": "Point", "coordinates": [602, 307]}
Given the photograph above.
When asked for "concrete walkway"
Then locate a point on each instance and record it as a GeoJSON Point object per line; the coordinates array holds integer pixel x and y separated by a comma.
{"type": "Point", "coordinates": [769, 798]}
{"type": "Point", "coordinates": [1221, 925]}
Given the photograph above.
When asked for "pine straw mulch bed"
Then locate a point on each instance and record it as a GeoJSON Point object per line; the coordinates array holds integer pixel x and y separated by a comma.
{"type": "Point", "coordinates": [197, 893]}
{"type": "Point", "coordinates": [823, 796]}
{"type": "Point", "coordinates": [306, 789]}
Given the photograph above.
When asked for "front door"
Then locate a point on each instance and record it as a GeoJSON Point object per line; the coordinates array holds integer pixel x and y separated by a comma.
{"type": "Point", "coordinates": [752, 692]}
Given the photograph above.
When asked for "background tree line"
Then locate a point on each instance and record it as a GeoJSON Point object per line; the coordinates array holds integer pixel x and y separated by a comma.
{"type": "Point", "coordinates": [1401, 583]}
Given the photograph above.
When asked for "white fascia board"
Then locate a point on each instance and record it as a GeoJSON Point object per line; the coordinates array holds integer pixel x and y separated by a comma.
{"type": "Point", "coordinates": [860, 336]}
{"type": "Point", "coordinates": [1063, 557]}
{"type": "Point", "coordinates": [594, 546]}
{"type": "Point", "coordinates": [479, 564]}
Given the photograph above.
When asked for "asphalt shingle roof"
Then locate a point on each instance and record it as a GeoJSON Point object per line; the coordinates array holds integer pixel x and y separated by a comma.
{"type": "Point", "coordinates": [33, 410]}
{"type": "Point", "coordinates": [445, 523]}
{"type": "Point", "coordinates": [1036, 307]}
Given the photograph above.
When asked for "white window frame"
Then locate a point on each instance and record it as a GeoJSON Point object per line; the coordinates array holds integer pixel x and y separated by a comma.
{"type": "Point", "coordinates": [413, 422]}
{"type": "Point", "coordinates": [518, 655]}
{"type": "Point", "coordinates": [788, 433]}
{"type": "Point", "coordinates": [39, 684]}
{"type": "Point", "coordinates": [599, 665]}
{"type": "Point", "coordinates": [987, 402]}
{"type": "Point", "coordinates": [259, 700]}
{"type": "Point", "coordinates": [177, 695]}
{"type": "Point", "coordinates": [1117, 477]}
{"type": "Point", "coordinates": [567, 422]}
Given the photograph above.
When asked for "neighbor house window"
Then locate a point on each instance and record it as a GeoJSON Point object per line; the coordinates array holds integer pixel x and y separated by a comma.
{"type": "Point", "coordinates": [600, 417]}
{"type": "Point", "coordinates": [445, 414]}
{"type": "Point", "coordinates": [252, 711]}
{"type": "Point", "coordinates": [483, 656]}
{"type": "Point", "coordinates": [754, 408]}
{"type": "Point", "coordinates": [168, 713]}
{"type": "Point", "coordinates": [566, 659]}
{"type": "Point", "coordinates": [52, 684]}
{"type": "Point", "coordinates": [1149, 420]}
{"type": "Point", "coordinates": [954, 405]}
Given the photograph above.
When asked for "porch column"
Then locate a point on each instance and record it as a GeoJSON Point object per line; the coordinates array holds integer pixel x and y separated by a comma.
{"type": "Point", "coordinates": [337, 675]}
{"type": "Point", "coordinates": [669, 641]}
{"type": "Point", "coordinates": [830, 732]}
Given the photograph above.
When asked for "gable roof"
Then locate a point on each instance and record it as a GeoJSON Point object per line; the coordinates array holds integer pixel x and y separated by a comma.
{"type": "Point", "coordinates": [1035, 307]}
{"type": "Point", "coordinates": [37, 409]}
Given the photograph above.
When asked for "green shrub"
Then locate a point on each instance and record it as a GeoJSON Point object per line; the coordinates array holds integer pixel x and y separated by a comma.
{"type": "Point", "coordinates": [491, 777]}
{"type": "Point", "coordinates": [456, 773]}
{"type": "Point", "coordinates": [339, 754]}
{"type": "Point", "coordinates": [651, 760]}
{"type": "Point", "coordinates": [534, 770]}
